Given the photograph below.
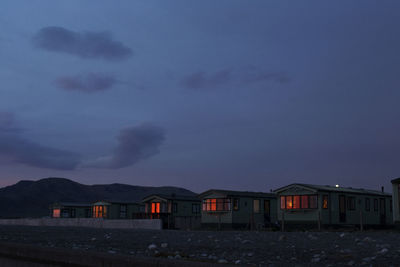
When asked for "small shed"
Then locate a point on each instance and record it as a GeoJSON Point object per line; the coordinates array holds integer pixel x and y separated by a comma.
{"type": "Point", "coordinates": [115, 209]}
{"type": "Point", "coordinates": [71, 210]}
{"type": "Point", "coordinates": [333, 205]}
{"type": "Point", "coordinates": [238, 209]}
{"type": "Point", "coordinates": [175, 211]}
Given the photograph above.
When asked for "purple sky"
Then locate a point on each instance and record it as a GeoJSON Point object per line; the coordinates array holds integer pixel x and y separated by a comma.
{"type": "Point", "coordinates": [232, 94]}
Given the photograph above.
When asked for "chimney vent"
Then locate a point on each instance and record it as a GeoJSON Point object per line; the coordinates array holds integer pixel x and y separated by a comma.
{"type": "Point", "coordinates": [383, 189]}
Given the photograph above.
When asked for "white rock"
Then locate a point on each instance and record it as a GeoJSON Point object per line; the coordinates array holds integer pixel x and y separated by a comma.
{"type": "Point", "coordinates": [178, 256]}
{"type": "Point", "coordinates": [93, 239]}
{"type": "Point", "coordinates": [152, 246]}
{"type": "Point", "coordinates": [111, 252]}
{"type": "Point", "coordinates": [164, 245]}
{"type": "Point", "coordinates": [203, 255]}
{"type": "Point", "coordinates": [237, 262]}
{"type": "Point", "coordinates": [250, 254]}
{"type": "Point", "coordinates": [383, 251]}
{"type": "Point", "coordinates": [342, 235]}
{"type": "Point", "coordinates": [222, 261]}
{"type": "Point", "coordinates": [315, 259]}
{"type": "Point", "coordinates": [282, 237]}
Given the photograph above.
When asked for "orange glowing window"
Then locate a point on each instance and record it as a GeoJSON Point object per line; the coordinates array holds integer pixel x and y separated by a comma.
{"type": "Point", "coordinates": [155, 207]}
{"type": "Point", "coordinates": [214, 204]}
{"type": "Point", "coordinates": [283, 201]}
{"type": "Point", "coordinates": [296, 202]}
{"type": "Point", "coordinates": [56, 213]}
{"type": "Point", "coordinates": [289, 202]}
{"type": "Point", "coordinates": [325, 202]}
{"type": "Point", "coordinates": [100, 212]}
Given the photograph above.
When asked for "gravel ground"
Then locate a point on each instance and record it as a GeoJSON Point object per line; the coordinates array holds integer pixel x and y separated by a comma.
{"type": "Point", "coordinates": [380, 248]}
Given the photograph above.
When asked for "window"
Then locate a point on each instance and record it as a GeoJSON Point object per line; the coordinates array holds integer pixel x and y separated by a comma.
{"type": "Point", "coordinates": [122, 211]}
{"type": "Point", "coordinates": [56, 213]}
{"type": "Point", "coordinates": [235, 204]}
{"type": "Point", "coordinates": [256, 206]}
{"type": "Point", "coordinates": [351, 203]}
{"type": "Point", "coordinates": [304, 202]}
{"type": "Point", "coordinates": [289, 202]}
{"type": "Point", "coordinates": [283, 201]}
{"type": "Point", "coordinates": [155, 207]}
{"type": "Point", "coordinates": [267, 207]}
{"type": "Point", "coordinates": [73, 215]}
{"type": "Point", "coordinates": [313, 201]}
{"type": "Point", "coordinates": [367, 204]}
{"type": "Point", "coordinates": [195, 208]}
{"type": "Point", "coordinates": [375, 204]}
{"type": "Point", "coordinates": [391, 206]}
{"type": "Point", "coordinates": [325, 201]}
{"type": "Point", "coordinates": [296, 202]}
{"type": "Point", "coordinates": [299, 202]}
{"type": "Point", "coordinates": [99, 211]}
{"type": "Point", "coordinates": [217, 204]}
{"type": "Point", "coordinates": [175, 207]}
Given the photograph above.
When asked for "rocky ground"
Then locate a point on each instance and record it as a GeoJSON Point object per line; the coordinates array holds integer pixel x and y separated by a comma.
{"type": "Point", "coordinates": [380, 248]}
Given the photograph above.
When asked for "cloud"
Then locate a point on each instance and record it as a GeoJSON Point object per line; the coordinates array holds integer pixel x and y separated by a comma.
{"type": "Point", "coordinates": [88, 83]}
{"type": "Point", "coordinates": [257, 76]}
{"type": "Point", "coordinates": [85, 44]}
{"type": "Point", "coordinates": [199, 80]}
{"type": "Point", "coordinates": [134, 144]}
{"type": "Point", "coordinates": [250, 75]}
{"type": "Point", "coordinates": [16, 148]}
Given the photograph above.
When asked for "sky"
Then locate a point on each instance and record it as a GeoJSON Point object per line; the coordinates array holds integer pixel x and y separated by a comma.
{"type": "Point", "coordinates": [229, 94]}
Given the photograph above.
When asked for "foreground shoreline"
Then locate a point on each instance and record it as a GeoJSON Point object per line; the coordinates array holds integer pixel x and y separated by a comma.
{"type": "Point", "coordinates": [211, 247]}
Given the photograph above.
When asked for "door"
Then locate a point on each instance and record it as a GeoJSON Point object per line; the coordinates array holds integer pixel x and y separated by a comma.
{"type": "Point", "coordinates": [342, 208]}
{"type": "Point", "coordinates": [267, 212]}
{"type": "Point", "coordinates": [382, 211]}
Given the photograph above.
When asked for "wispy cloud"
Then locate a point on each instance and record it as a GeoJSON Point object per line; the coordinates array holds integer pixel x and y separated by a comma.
{"type": "Point", "coordinates": [82, 44]}
{"type": "Point", "coordinates": [243, 76]}
{"type": "Point", "coordinates": [18, 149]}
{"type": "Point", "coordinates": [88, 83]}
{"type": "Point", "coordinates": [134, 144]}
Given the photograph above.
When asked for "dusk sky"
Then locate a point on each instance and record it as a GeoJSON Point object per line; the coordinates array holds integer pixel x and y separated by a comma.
{"type": "Point", "coordinates": [230, 94]}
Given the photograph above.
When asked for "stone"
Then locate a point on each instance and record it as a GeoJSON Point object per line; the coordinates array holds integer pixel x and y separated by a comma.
{"type": "Point", "coordinates": [111, 252]}
{"type": "Point", "coordinates": [164, 245]}
{"type": "Point", "coordinates": [342, 235]}
{"type": "Point", "coordinates": [383, 251]}
{"type": "Point", "coordinates": [282, 237]}
{"type": "Point", "coordinates": [152, 246]}
{"type": "Point", "coordinates": [222, 261]}
{"type": "Point", "coordinates": [203, 255]}
{"type": "Point", "coordinates": [238, 261]}
{"type": "Point", "coordinates": [178, 256]}
{"type": "Point", "coordinates": [350, 263]}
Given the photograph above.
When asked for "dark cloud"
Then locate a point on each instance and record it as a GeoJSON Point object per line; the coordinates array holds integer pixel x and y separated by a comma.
{"type": "Point", "coordinates": [16, 148]}
{"type": "Point", "coordinates": [84, 44]}
{"type": "Point", "coordinates": [203, 80]}
{"type": "Point", "coordinates": [134, 144]}
{"type": "Point", "coordinates": [89, 83]}
{"type": "Point", "coordinates": [200, 80]}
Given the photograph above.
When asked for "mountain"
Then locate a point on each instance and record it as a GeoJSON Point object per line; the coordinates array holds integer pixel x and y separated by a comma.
{"type": "Point", "coordinates": [33, 198]}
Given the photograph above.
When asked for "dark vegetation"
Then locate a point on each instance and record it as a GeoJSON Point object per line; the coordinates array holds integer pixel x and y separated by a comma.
{"type": "Point", "coordinates": [32, 198]}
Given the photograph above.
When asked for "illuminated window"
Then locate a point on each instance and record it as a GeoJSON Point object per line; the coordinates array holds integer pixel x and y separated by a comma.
{"type": "Point", "coordinates": [236, 204]}
{"type": "Point", "coordinates": [214, 204]}
{"type": "Point", "coordinates": [155, 207]}
{"type": "Point", "coordinates": [56, 213]}
{"type": "Point", "coordinates": [256, 205]}
{"type": "Point", "coordinates": [283, 202]}
{"type": "Point", "coordinates": [304, 202]}
{"type": "Point", "coordinates": [100, 211]}
{"type": "Point", "coordinates": [296, 202]}
{"type": "Point", "coordinates": [289, 202]}
{"type": "Point", "coordinates": [324, 201]}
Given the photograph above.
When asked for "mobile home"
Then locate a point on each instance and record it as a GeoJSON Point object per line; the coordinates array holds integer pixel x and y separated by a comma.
{"type": "Point", "coordinates": [116, 209]}
{"type": "Point", "coordinates": [71, 210]}
{"type": "Point", "coordinates": [333, 205]}
{"type": "Point", "coordinates": [237, 209]}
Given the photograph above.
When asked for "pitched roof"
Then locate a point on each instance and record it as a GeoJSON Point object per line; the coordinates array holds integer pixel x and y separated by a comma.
{"type": "Point", "coordinates": [72, 204]}
{"type": "Point", "coordinates": [337, 189]}
{"type": "Point", "coordinates": [395, 181]}
{"type": "Point", "coordinates": [173, 197]}
{"type": "Point", "coordinates": [237, 193]}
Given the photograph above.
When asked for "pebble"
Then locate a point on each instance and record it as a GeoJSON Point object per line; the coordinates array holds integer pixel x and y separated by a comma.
{"type": "Point", "coordinates": [238, 261]}
{"type": "Point", "coordinates": [383, 251]}
{"type": "Point", "coordinates": [222, 261]}
{"type": "Point", "coordinates": [351, 263]}
{"type": "Point", "coordinates": [342, 235]}
{"type": "Point", "coordinates": [282, 237]}
{"type": "Point", "coordinates": [164, 245]}
{"type": "Point", "coordinates": [152, 246]}
{"type": "Point", "coordinates": [178, 256]}
{"type": "Point", "coordinates": [203, 255]}
{"type": "Point", "coordinates": [111, 252]}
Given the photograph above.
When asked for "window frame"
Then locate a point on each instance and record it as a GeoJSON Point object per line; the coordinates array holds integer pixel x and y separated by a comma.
{"type": "Point", "coordinates": [367, 204]}
{"type": "Point", "coordinates": [258, 210]}
{"type": "Point", "coordinates": [290, 199]}
{"type": "Point", "coordinates": [216, 205]}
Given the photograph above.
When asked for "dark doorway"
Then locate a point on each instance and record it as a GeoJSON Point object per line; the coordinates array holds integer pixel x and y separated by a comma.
{"type": "Point", "coordinates": [342, 208]}
{"type": "Point", "coordinates": [382, 211]}
{"type": "Point", "coordinates": [267, 212]}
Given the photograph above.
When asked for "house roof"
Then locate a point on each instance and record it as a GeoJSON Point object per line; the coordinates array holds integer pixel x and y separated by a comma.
{"type": "Point", "coordinates": [395, 181]}
{"type": "Point", "coordinates": [72, 204]}
{"type": "Point", "coordinates": [232, 193]}
{"type": "Point", "coordinates": [172, 197]}
{"type": "Point", "coordinates": [116, 201]}
{"type": "Point", "coordinates": [337, 189]}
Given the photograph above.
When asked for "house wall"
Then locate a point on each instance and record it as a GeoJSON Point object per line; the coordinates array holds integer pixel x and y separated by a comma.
{"type": "Point", "coordinates": [396, 208]}
{"type": "Point", "coordinates": [184, 208]}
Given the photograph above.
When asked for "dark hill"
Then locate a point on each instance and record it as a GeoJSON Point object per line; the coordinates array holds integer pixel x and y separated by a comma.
{"type": "Point", "coordinates": [33, 198]}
